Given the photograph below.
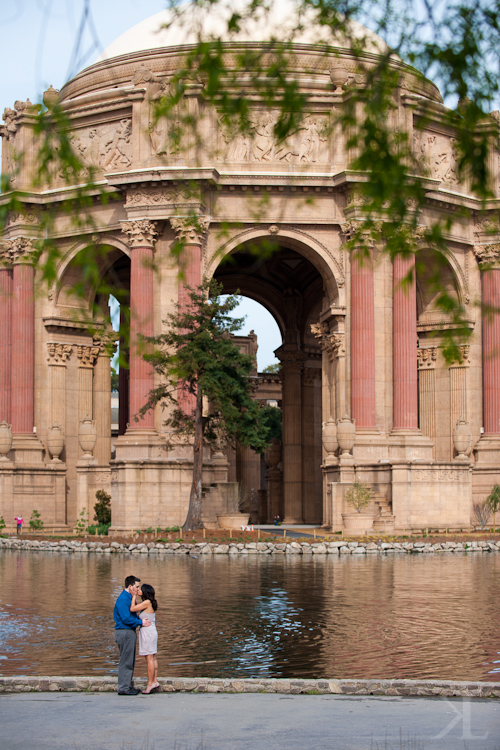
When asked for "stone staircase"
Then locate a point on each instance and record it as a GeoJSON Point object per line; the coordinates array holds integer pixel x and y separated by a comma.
{"type": "Point", "coordinates": [384, 520]}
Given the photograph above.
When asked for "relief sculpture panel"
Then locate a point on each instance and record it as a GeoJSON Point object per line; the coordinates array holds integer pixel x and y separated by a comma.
{"type": "Point", "coordinates": [438, 155]}
{"type": "Point", "coordinates": [308, 145]}
{"type": "Point", "coordinates": [108, 148]}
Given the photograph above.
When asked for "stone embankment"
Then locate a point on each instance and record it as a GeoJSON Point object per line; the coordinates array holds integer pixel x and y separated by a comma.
{"type": "Point", "coordinates": [249, 548]}
{"type": "Point", "coordinates": [429, 688]}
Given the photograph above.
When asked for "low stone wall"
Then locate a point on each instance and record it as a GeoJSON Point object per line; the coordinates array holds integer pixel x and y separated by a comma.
{"type": "Point", "coordinates": [249, 548]}
{"type": "Point", "coordinates": [429, 688]}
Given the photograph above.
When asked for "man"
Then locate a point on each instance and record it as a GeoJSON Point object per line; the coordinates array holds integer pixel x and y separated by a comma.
{"type": "Point", "coordinates": [125, 636]}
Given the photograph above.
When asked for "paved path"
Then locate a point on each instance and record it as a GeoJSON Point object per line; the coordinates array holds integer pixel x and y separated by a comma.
{"type": "Point", "coordinates": [183, 721]}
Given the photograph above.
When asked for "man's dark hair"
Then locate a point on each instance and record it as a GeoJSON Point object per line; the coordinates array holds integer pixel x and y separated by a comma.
{"type": "Point", "coordinates": [130, 580]}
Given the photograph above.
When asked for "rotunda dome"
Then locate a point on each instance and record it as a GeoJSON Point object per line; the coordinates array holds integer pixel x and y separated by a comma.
{"type": "Point", "coordinates": [284, 21]}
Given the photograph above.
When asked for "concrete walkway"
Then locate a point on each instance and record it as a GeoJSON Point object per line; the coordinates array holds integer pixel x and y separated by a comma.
{"type": "Point", "coordinates": [180, 721]}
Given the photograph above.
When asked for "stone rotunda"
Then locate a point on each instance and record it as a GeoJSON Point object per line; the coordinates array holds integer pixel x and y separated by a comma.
{"type": "Point", "coordinates": [365, 391]}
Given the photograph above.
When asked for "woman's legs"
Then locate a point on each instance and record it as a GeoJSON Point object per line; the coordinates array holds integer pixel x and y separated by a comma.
{"type": "Point", "coordinates": [156, 683]}
{"type": "Point", "coordinates": [150, 664]}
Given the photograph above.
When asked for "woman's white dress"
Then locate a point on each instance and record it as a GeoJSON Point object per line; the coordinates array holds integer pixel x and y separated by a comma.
{"type": "Point", "coordinates": [148, 637]}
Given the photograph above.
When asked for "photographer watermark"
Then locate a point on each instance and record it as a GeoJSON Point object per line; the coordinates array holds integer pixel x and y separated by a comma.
{"type": "Point", "coordinates": [462, 715]}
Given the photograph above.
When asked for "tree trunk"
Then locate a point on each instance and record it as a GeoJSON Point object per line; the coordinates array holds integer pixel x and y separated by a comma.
{"type": "Point", "coordinates": [193, 520]}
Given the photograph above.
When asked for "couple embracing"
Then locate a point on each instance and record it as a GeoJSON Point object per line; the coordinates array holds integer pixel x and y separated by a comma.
{"type": "Point", "coordinates": [126, 621]}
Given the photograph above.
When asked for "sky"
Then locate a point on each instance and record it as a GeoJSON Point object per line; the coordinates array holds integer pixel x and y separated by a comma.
{"type": "Point", "coordinates": [42, 46]}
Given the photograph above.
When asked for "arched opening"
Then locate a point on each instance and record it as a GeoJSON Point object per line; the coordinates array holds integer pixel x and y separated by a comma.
{"type": "Point", "coordinates": [442, 386]}
{"type": "Point", "coordinates": [291, 288]}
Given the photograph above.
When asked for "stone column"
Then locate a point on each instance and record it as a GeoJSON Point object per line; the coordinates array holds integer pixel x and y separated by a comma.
{"type": "Point", "coordinates": [102, 398]}
{"type": "Point", "coordinates": [362, 340]}
{"type": "Point", "coordinates": [57, 357]}
{"type": "Point", "coordinates": [426, 362]}
{"type": "Point", "coordinates": [311, 445]}
{"type": "Point", "coordinates": [458, 391]}
{"type": "Point", "coordinates": [141, 238]}
{"type": "Point", "coordinates": [87, 356]}
{"type": "Point", "coordinates": [292, 363]}
{"type": "Point", "coordinates": [491, 350]}
{"type": "Point", "coordinates": [5, 337]}
{"type": "Point", "coordinates": [192, 235]}
{"type": "Point", "coordinates": [405, 345]}
{"type": "Point", "coordinates": [23, 338]}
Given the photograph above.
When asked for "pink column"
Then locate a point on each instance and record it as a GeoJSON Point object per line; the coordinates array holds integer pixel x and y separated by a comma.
{"type": "Point", "coordinates": [23, 349]}
{"type": "Point", "coordinates": [491, 351]}
{"type": "Point", "coordinates": [141, 239]}
{"type": "Point", "coordinates": [405, 346]}
{"type": "Point", "coordinates": [362, 342]}
{"type": "Point", "coordinates": [5, 342]}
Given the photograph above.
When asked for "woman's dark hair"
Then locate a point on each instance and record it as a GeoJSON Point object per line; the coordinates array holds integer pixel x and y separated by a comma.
{"type": "Point", "coordinates": [148, 592]}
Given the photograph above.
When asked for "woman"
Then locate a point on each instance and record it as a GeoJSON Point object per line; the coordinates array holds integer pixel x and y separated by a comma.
{"type": "Point", "coordinates": [148, 637]}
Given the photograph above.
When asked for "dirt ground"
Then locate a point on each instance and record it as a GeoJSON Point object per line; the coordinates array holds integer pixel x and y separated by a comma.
{"type": "Point", "coordinates": [221, 536]}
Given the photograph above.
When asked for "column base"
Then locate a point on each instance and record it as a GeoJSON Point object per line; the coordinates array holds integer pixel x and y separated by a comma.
{"type": "Point", "coordinates": [487, 451]}
{"type": "Point", "coordinates": [27, 449]}
{"type": "Point", "coordinates": [410, 445]}
{"type": "Point", "coordinates": [138, 443]}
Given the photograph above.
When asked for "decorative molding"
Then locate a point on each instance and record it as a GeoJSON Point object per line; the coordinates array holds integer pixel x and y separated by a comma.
{"type": "Point", "coordinates": [87, 355]}
{"type": "Point", "coordinates": [439, 475]}
{"type": "Point", "coordinates": [140, 232]}
{"type": "Point", "coordinates": [18, 218]}
{"type": "Point", "coordinates": [464, 360]}
{"type": "Point", "coordinates": [426, 357]}
{"type": "Point", "coordinates": [160, 196]}
{"type": "Point", "coordinates": [191, 230]}
{"type": "Point", "coordinates": [58, 354]}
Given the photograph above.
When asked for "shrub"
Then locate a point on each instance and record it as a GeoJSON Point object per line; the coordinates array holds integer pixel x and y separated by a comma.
{"type": "Point", "coordinates": [103, 528]}
{"type": "Point", "coordinates": [102, 508]}
{"type": "Point", "coordinates": [2, 524]}
{"type": "Point", "coordinates": [81, 522]}
{"type": "Point", "coordinates": [36, 523]}
{"type": "Point", "coordinates": [149, 530]}
{"type": "Point", "coordinates": [481, 513]}
{"type": "Point", "coordinates": [358, 496]}
{"type": "Point", "coordinates": [91, 530]}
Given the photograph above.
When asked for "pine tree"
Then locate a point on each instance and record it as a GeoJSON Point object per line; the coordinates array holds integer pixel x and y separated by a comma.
{"type": "Point", "coordinates": [198, 361]}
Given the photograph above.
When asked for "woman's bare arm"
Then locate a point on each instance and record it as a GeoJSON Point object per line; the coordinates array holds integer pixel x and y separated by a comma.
{"type": "Point", "coordinates": [138, 607]}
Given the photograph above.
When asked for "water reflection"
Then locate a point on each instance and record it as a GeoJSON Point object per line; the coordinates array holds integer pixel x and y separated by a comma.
{"type": "Point", "coordinates": [431, 616]}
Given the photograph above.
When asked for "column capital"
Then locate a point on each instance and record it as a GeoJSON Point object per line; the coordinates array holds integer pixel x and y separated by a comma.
{"type": "Point", "coordinates": [18, 250]}
{"type": "Point", "coordinates": [58, 354]}
{"type": "Point", "coordinates": [488, 256]}
{"type": "Point", "coordinates": [87, 355]}
{"type": "Point", "coordinates": [140, 232]}
{"type": "Point", "coordinates": [331, 343]}
{"type": "Point", "coordinates": [426, 358]}
{"type": "Point", "coordinates": [191, 230]}
{"type": "Point", "coordinates": [353, 229]}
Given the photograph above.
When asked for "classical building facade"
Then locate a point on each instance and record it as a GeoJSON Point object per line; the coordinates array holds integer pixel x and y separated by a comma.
{"type": "Point", "coordinates": [365, 390]}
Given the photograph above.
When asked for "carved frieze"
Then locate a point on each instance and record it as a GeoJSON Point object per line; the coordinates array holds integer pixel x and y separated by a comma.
{"type": "Point", "coordinates": [190, 230]}
{"type": "Point", "coordinates": [140, 232]}
{"type": "Point", "coordinates": [439, 475]}
{"type": "Point", "coordinates": [108, 148]}
{"type": "Point", "coordinates": [308, 145]}
{"type": "Point", "coordinates": [438, 153]}
{"type": "Point", "coordinates": [87, 355]}
{"type": "Point", "coordinates": [160, 196]}
{"type": "Point", "coordinates": [58, 354]}
{"type": "Point", "coordinates": [427, 357]}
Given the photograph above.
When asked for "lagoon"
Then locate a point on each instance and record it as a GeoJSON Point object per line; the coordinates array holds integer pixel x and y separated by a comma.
{"type": "Point", "coordinates": [383, 616]}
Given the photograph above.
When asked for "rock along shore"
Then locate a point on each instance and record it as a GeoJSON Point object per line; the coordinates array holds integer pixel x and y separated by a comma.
{"type": "Point", "coordinates": [423, 688]}
{"type": "Point", "coordinates": [248, 548]}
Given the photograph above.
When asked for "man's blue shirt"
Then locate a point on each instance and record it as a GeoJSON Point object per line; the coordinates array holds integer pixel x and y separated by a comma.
{"type": "Point", "coordinates": [124, 618]}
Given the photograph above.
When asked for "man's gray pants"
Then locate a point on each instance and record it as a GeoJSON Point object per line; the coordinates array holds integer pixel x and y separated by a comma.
{"type": "Point", "coordinates": [125, 640]}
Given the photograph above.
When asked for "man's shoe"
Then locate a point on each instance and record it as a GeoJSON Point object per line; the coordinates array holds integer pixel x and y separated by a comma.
{"type": "Point", "coordinates": [130, 691]}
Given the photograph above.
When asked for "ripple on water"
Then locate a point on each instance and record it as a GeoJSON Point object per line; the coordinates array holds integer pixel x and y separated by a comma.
{"type": "Point", "coordinates": [379, 616]}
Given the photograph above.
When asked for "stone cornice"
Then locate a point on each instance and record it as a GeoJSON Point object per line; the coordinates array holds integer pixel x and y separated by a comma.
{"type": "Point", "coordinates": [140, 232]}
{"type": "Point", "coordinates": [191, 230]}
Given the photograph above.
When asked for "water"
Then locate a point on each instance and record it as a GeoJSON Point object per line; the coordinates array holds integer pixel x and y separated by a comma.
{"type": "Point", "coordinates": [427, 616]}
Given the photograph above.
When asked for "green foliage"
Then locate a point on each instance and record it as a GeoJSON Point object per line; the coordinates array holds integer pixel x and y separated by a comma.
{"type": "Point", "coordinates": [103, 529]}
{"type": "Point", "coordinates": [115, 377]}
{"type": "Point", "coordinates": [35, 522]}
{"type": "Point", "coordinates": [2, 523]}
{"type": "Point", "coordinates": [171, 528]}
{"type": "Point", "coordinates": [358, 496]}
{"type": "Point", "coordinates": [272, 368]}
{"type": "Point", "coordinates": [82, 521]}
{"type": "Point", "coordinates": [272, 419]}
{"type": "Point", "coordinates": [493, 499]}
{"type": "Point", "coordinates": [197, 352]}
{"type": "Point", "coordinates": [149, 530]}
{"type": "Point", "coordinates": [102, 508]}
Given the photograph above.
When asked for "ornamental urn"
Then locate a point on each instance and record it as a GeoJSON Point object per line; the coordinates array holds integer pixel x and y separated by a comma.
{"type": "Point", "coordinates": [462, 438]}
{"type": "Point", "coordinates": [346, 434]}
{"type": "Point", "coordinates": [329, 436]}
{"type": "Point", "coordinates": [87, 436]}
{"type": "Point", "coordinates": [273, 453]}
{"type": "Point", "coordinates": [55, 442]}
{"type": "Point", "coordinates": [5, 440]}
